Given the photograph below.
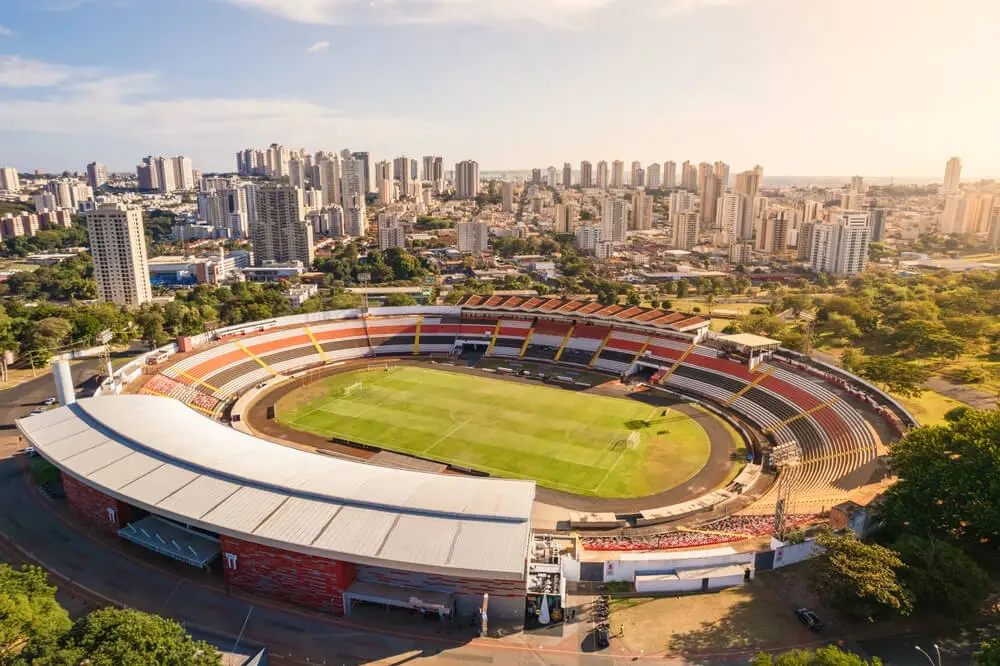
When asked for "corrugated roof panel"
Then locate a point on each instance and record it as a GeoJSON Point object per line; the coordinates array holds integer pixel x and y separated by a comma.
{"type": "Point", "coordinates": [356, 531]}
{"type": "Point", "coordinates": [420, 539]}
{"type": "Point", "coordinates": [488, 546]}
{"type": "Point", "coordinates": [63, 429]}
{"type": "Point", "coordinates": [199, 497]}
{"type": "Point", "coordinates": [89, 461]}
{"type": "Point", "coordinates": [123, 472]}
{"type": "Point", "coordinates": [298, 521]}
{"type": "Point", "coordinates": [69, 446]}
{"type": "Point", "coordinates": [51, 417]}
{"type": "Point", "coordinates": [159, 483]}
{"type": "Point", "coordinates": [245, 510]}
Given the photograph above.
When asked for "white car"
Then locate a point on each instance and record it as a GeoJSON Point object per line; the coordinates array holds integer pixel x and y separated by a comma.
{"type": "Point", "coordinates": [37, 410]}
{"type": "Point", "coordinates": [29, 451]}
{"type": "Point", "coordinates": [50, 401]}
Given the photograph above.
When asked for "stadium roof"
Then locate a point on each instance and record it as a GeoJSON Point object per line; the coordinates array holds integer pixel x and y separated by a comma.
{"type": "Point", "coordinates": [157, 454]}
{"type": "Point", "coordinates": [749, 340]}
{"type": "Point", "coordinates": [577, 309]}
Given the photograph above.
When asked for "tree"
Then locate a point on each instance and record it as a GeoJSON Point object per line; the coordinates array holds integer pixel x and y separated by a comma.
{"type": "Point", "coordinates": [682, 288]}
{"type": "Point", "coordinates": [843, 327]}
{"type": "Point", "coordinates": [900, 376]}
{"type": "Point", "coordinates": [113, 637]}
{"type": "Point", "coordinates": [29, 612]}
{"type": "Point", "coordinates": [830, 655]}
{"type": "Point", "coordinates": [393, 300]}
{"type": "Point", "coordinates": [942, 577]}
{"type": "Point", "coordinates": [989, 653]}
{"type": "Point", "coordinates": [47, 335]}
{"type": "Point", "coordinates": [948, 480]}
{"type": "Point", "coordinates": [860, 579]}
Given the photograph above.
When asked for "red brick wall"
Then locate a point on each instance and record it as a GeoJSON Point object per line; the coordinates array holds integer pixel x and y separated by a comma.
{"type": "Point", "coordinates": [306, 580]}
{"type": "Point", "coordinates": [92, 505]}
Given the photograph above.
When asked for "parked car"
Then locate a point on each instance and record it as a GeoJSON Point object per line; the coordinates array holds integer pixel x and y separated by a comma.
{"type": "Point", "coordinates": [602, 637]}
{"type": "Point", "coordinates": [29, 451]}
{"type": "Point", "coordinates": [37, 410]}
{"type": "Point", "coordinates": [50, 401]}
{"type": "Point", "coordinates": [809, 619]}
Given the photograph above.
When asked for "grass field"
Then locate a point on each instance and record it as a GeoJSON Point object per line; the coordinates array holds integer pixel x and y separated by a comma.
{"type": "Point", "coordinates": [566, 440]}
{"type": "Point", "coordinates": [930, 407]}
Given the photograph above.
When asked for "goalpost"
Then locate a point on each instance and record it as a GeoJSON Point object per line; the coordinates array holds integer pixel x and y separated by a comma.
{"type": "Point", "coordinates": [350, 390]}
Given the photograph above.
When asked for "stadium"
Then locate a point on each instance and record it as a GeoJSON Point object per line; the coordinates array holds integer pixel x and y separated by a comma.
{"type": "Point", "coordinates": [424, 457]}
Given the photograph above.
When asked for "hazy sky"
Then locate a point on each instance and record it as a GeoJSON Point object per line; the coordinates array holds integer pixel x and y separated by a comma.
{"type": "Point", "coordinates": [804, 87]}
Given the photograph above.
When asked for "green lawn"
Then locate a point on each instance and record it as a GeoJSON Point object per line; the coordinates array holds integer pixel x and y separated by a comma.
{"type": "Point", "coordinates": [930, 407]}
{"type": "Point", "coordinates": [565, 440]}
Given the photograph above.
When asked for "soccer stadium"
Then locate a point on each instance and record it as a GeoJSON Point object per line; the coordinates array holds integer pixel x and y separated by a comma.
{"type": "Point", "coordinates": [427, 457]}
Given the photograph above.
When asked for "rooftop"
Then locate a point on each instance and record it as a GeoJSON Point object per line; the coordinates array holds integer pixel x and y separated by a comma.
{"type": "Point", "coordinates": [159, 455]}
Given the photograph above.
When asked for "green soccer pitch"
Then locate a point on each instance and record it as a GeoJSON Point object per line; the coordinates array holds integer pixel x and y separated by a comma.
{"type": "Point", "coordinates": [566, 440]}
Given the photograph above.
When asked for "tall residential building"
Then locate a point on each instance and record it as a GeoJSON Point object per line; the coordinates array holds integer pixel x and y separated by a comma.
{"type": "Point", "coordinates": [562, 219]}
{"type": "Point", "coordinates": [841, 247]}
{"type": "Point", "coordinates": [384, 183]}
{"type": "Point", "coordinates": [280, 232]}
{"type": "Point", "coordinates": [587, 237]}
{"type": "Point", "coordinates": [567, 175]}
{"type": "Point", "coordinates": [353, 194]}
{"type": "Point", "coordinates": [391, 232]}
{"type": "Point", "coordinates": [859, 185]}
{"type": "Point", "coordinates": [636, 168]}
{"type": "Point", "coordinates": [952, 176]}
{"type": "Point", "coordinates": [953, 217]}
{"type": "Point", "coordinates": [118, 246]}
{"type": "Point", "coordinates": [617, 175]}
{"type": "Point", "coordinates": [710, 188]}
{"type": "Point", "coordinates": [330, 179]}
{"type": "Point", "coordinates": [603, 177]}
{"type": "Point", "coordinates": [414, 169]}
{"type": "Point", "coordinates": [685, 229]}
{"type": "Point", "coordinates": [9, 181]}
{"type": "Point", "coordinates": [614, 221]}
{"type": "Point", "coordinates": [994, 229]}
{"type": "Point", "coordinates": [508, 197]}
{"type": "Point", "coordinates": [183, 173]}
{"type": "Point", "coordinates": [553, 175]}
{"type": "Point", "coordinates": [473, 236]}
{"type": "Point", "coordinates": [729, 217]}
{"type": "Point", "coordinates": [852, 200]}
{"type": "Point", "coordinates": [354, 222]}
{"type": "Point", "coordinates": [401, 171]}
{"type": "Point", "coordinates": [165, 174]}
{"type": "Point", "coordinates": [653, 180]}
{"type": "Point", "coordinates": [366, 163]}
{"type": "Point", "coordinates": [276, 161]}
{"type": "Point", "coordinates": [809, 210]}
{"type": "Point", "coordinates": [97, 174]}
{"type": "Point", "coordinates": [642, 211]}
{"type": "Point", "coordinates": [689, 177]}
{"type": "Point", "coordinates": [536, 176]}
{"type": "Point", "coordinates": [586, 174]}
{"type": "Point", "coordinates": [877, 217]}
{"type": "Point", "coordinates": [721, 170]}
{"type": "Point", "coordinates": [297, 172]}
{"type": "Point", "coordinates": [669, 175]}
{"type": "Point", "coordinates": [748, 183]}
{"type": "Point", "coordinates": [805, 240]}
{"type": "Point", "coordinates": [467, 179]}
{"type": "Point", "coordinates": [772, 233]}
{"type": "Point", "coordinates": [148, 175]}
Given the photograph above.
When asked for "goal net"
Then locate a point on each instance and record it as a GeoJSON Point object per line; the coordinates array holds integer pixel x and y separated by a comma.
{"type": "Point", "coordinates": [353, 388]}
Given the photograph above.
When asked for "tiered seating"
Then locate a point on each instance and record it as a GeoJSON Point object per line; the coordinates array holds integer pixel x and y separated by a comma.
{"type": "Point", "coordinates": [511, 337]}
{"type": "Point", "coordinates": [726, 530]}
{"type": "Point", "coordinates": [164, 386]}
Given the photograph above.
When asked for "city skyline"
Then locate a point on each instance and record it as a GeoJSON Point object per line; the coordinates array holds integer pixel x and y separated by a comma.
{"type": "Point", "coordinates": [79, 83]}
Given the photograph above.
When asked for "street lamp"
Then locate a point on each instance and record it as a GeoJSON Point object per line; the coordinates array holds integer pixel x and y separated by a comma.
{"type": "Point", "coordinates": [924, 652]}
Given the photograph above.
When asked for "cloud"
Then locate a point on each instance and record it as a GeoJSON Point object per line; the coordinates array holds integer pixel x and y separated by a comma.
{"type": "Point", "coordinates": [318, 46]}
{"type": "Point", "coordinates": [5, 31]}
{"type": "Point", "coordinates": [16, 72]}
{"type": "Point", "coordinates": [675, 7]}
{"type": "Point", "coordinates": [87, 102]}
{"type": "Point", "coordinates": [552, 13]}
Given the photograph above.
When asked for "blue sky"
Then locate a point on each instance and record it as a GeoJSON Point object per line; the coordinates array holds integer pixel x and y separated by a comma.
{"type": "Point", "coordinates": [804, 87]}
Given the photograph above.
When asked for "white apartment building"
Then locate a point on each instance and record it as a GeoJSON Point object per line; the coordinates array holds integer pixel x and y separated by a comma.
{"type": "Point", "coordinates": [614, 220]}
{"type": "Point", "coordinates": [391, 232]}
{"type": "Point", "coordinates": [353, 188]}
{"type": "Point", "coordinates": [841, 247]}
{"type": "Point", "coordinates": [772, 233]}
{"type": "Point", "coordinates": [467, 179]}
{"type": "Point", "coordinates": [952, 176]}
{"type": "Point", "coordinates": [685, 229]}
{"type": "Point", "coordinates": [587, 237]}
{"type": "Point", "coordinates": [97, 175]}
{"type": "Point", "coordinates": [653, 180]}
{"type": "Point", "coordinates": [642, 211]}
{"type": "Point", "coordinates": [669, 175]}
{"type": "Point", "coordinates": [355, 225]}
{"type": "Point", "coordinates": [9, 180]}
{"type": "Point", "coordinates": [473, 236]}
{"type": "Point", "coordinates": [603, 179]}
{"type": "Point", "coordinates": [280, 232]}
{"type": "Point", "coordinates": [553, 176]}
{"type": "Point", "coordinates": [118, 246]}
{"type": "Point", "coordinates": [729, 217]}
{"type": "Point", "coordinates": [636, 168]}
{"type": "Point", "coordinates": [617, 175]}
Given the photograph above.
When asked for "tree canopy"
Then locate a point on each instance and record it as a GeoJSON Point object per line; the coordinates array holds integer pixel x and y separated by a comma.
{"type": "Point", "coordinates": [29, 612]}
{"type": "Point", "coordinates": [830, 655]}
{"type": "Point", "coordinates": [860, 579]}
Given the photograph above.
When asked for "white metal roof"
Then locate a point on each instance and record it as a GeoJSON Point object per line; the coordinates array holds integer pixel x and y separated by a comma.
{"type": "Point", "coordinates": [159, 455]}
